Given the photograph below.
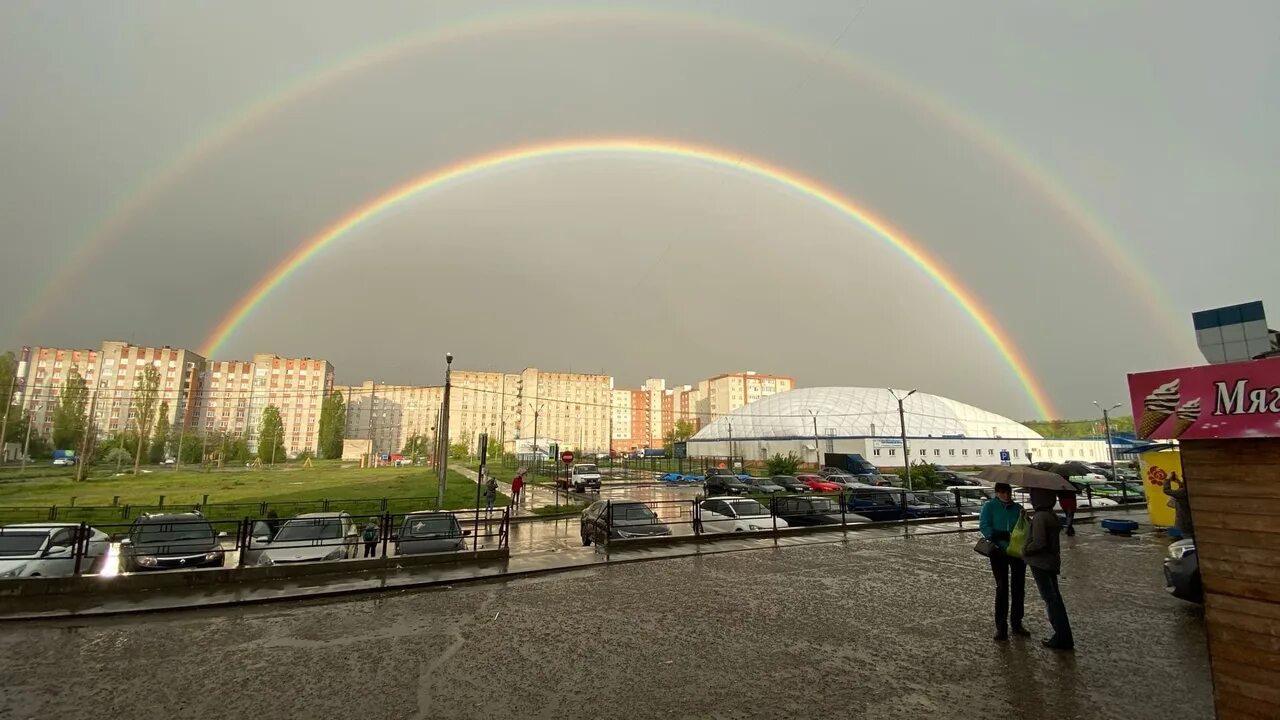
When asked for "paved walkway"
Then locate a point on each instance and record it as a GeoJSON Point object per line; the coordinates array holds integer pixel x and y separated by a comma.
{"type": "Point", "coordinates": [885, 628]}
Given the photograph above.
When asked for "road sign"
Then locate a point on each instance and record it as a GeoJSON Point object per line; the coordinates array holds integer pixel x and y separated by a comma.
{"type": "Point", "coordinates": [566, 457]}
{"type": "Point", "coordinates": [1004, 457]}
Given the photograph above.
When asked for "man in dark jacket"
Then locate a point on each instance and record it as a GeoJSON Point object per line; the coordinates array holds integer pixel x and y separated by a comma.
{"type": "Point", "coordinates": [1044, 556]}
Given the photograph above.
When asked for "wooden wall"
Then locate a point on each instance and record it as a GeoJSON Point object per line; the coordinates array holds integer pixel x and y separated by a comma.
{"type": "Point", "coordinates": [1234, 488]}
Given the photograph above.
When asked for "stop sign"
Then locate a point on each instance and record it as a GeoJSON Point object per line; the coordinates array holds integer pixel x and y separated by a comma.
{"type": "Point", "coordinates": [566, 457]}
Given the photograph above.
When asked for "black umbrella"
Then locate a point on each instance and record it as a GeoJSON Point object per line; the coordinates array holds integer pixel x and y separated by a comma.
{"type": "Point", "coordinates": [1026, 477]}
{"type": "Point", "coordinates": [1069, 470]}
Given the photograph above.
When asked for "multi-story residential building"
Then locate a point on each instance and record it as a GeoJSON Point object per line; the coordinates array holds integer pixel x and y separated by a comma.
{"type": "Point", "coordinates": [389, 415]}
{"type": "Point", "coordinates": [572, 409]}
{"type": "Point", "coordinates": [630, 419]}
{"type": "Point", "coordinates": [112, 375]}
{"type": "Point", "coordinates": [723, 394]}
{"type": "Point", "coordinates": [225, 392]}
{"type": "Point", "coordinates": [297, 387]}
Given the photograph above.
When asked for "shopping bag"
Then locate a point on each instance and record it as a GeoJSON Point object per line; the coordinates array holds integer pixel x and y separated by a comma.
{"type": "Point", "coordinates": [1018, 537]}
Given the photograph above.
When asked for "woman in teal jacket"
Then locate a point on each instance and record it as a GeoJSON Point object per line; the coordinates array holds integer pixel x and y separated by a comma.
{"type": "Point", "coordinates": [996, 522]}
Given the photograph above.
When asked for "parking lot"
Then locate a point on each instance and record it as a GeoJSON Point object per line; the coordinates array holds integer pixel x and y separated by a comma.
{"type": "Point", "coordinates": [881, 627]}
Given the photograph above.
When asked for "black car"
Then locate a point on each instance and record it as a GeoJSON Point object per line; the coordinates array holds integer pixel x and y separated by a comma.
{"type": "Point", "coordinates": [812, 511]}
{"type": "Point", "coordinates": [721, 483]}
{"type": "Point", "coordinates": [1182, 572]}
{"type": "Point", "coordinates": [951, 478]}
{"type": "Point", "coordinates": [171, 541]}
{"type": "Point", "coordinates": [620, 520]}
{"type": "Point", "coordinates": [790, 483]}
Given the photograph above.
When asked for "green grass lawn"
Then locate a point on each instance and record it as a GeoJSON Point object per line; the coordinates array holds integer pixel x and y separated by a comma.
{"type": "Point", "coordinates": [234, 494]}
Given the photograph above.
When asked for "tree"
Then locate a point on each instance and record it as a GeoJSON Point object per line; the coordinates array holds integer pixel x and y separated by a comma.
{"type": "Point", "coordinates": [924, 476]}
{"type": "Point", "coordinates": [458, 451]}
{"type": "Point", "coordinates": [495, 448]}
{"type": "Point", "coordinates": [270, 434]}
{"type": "Point", "coordinates": [333, 426]}
{"type": "Point", "coordinates": [69, 417]}
{"type": "Point", "coordinates": [146, 389]}
{"type": "Point", "coordinates": [779, 465]}
{"type": "Point", "coordinates": [682, 431]}
{"type": "Point", "coordinates": [160, 440]}
{"type": "Point", "coordinates": [416, 446]}
{"type": "Point", "coordinates": [187, 447]}
{"type": "Point", "coordinates": [8, 369]}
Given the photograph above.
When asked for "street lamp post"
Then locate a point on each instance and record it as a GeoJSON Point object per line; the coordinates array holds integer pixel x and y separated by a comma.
{"type": "Point", "coordinates": [730, 424]}
{"type": "Point", "coordinates": [442, 467]}
{"type": "Point", "coordinates": [1111, 456]}
{"type": "Point", "coordinates": [902, 425]}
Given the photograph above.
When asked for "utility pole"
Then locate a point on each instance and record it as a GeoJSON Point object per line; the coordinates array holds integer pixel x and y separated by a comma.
{"type": "Point", "coordinates": [1111, 456]}
{"type": "Point", "coordinates": [442, 468]}
{"type": "Point", "coordinates": [817, 452]}
{"type": "Point", "coordinates": [26, 443]}
{"type": "Point", "coordinates": [730, 424]}
{"type": "Point", "coordinates": [373, 435]}
{"type": "Point", "coordinates": [902, 425]}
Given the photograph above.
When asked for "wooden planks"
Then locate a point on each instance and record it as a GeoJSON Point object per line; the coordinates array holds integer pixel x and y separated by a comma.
{"type": "Point", "coordinates": [1234, 491]}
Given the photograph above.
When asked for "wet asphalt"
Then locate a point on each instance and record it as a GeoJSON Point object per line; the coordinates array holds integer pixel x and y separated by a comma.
{"type": "Point", "coordinates": [886, 627]}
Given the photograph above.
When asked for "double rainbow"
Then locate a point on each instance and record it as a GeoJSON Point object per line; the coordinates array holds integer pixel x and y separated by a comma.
{"type": "Point", "coordinates": [375, 207]}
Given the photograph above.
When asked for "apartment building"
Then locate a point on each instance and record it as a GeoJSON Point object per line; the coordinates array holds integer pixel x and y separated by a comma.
{"type": "Point", "coordinates": [111, 374]}
{"type": "Point", "coordinates": [225, 392]}
{"type": "Point", "coordinates": [297, 387]}
{"type": "Point", "coordinates": [723, 394]}
{"type": "Point", "coordinates": [388, 415]}
{"type": "Point", "coordinates": [630, 420]}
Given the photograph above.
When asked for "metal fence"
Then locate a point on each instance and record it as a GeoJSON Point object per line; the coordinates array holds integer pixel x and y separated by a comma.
{"type": "Point", "coordinates": [779, 513]}
{"type": "Point", "coordinates": [222, 511]}
{"type": "Point", "coordinates": [194, 542]}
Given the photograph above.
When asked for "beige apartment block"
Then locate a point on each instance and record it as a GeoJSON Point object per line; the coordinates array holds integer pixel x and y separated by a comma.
{"type": "Point", "coordinates": [297, 387]}
{"type": "Point", "coordinates": [111, 374]}
{"type": "Point", "coordinates": [723, 394]}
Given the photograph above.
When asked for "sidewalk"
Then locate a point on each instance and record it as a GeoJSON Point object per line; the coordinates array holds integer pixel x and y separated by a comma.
{"type": "Point", "coordinates": [533, 496]}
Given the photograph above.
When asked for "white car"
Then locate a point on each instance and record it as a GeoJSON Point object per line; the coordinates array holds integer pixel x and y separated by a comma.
{"type": "Point", "coordinates": [48, 550]}
{"type": "Point", "coordinates": [1082, 501]}
{"type": "Point", "coordinates": [310, 537]}
{"type": "Point", "coordinates": [736, 514]}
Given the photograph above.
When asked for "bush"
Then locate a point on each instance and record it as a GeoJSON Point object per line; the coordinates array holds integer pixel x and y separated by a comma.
{"type": "Point", "coordinates": [924, 476]}
{"type": "Point", "coordinates": [779, 465]}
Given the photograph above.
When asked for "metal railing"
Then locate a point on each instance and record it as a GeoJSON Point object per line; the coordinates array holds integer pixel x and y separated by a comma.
{"type": "Point", "coordinates": [192, 543]}
{"type": "Point", "coordinates": [223, 511]}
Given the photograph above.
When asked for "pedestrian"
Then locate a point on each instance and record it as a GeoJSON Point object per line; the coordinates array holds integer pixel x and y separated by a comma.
{"type": "Point", "coordinates": [273, 522]}
{"type": "Point", "coordinates": [1068, 502]}
{"type": "Point", "coordinates": [996, 521]}
{"type": "Point", "coordinates": [1043, 554]}
{"type": "Point", "coordinates": [490, 493]}
{"type": "Point", "coordinates": [517, 487]}
{"type": "Point", "coordinates": [370, 536]}
{"type": "Point", "coordinates": [1181, 506]}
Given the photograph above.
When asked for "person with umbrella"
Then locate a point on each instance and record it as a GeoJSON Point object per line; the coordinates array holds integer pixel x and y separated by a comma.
{"type": "Point", "coordinates": [1042, 552]}
{"type": "Point", "coordinates": [996, 521]}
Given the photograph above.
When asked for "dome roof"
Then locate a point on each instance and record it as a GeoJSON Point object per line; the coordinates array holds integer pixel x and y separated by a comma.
{"type": "Point", "coordinates": [859, 412]}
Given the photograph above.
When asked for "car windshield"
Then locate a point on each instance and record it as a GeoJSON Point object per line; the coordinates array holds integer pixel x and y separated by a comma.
{"type": "Point", "coordinates": [586, 470]}
{"type": "Point", "coordinates": [311, 529]}
{"type": "Point", "coordinates": [21, 543]}
{"type": "Point", "coordinates": [169, 531]}
{"type": "Point", "coordinates": [818, 506]}
{"type": "Point", "coordinates": [429, 526]}
{"type": "Point", "coordinates": [633, 513]}
{"type": "Point", "coordinates": [747, 508]}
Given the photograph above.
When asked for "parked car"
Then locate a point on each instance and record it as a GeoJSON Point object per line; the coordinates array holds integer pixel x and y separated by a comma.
{"type": "Point", "coordinates": [953, 478]}
{"type": "Point", "coordinates": [583, 477]}
{"type": "Point", "coordinates": [790, 483]}
{"type": "Point", "coordinates": [1120, 492]}
{"type": "Point", "coordinates": [724, 484]}
{"type": "Point", "coordinates": [733, 514]}
{"type": "Point", "coordinates": [816, 483]}
{"type": "Point", "coordinates": [428, 531]}
{"type": "Point", "coordinates": [171, 541]}
{"type": "Point", "coordinates": [62, 461]}
{"type": "Point", "coordinates": [879, 503]}
{"type": "Point", "coordinates": [979, 494]}
{"type": "Point", "coordinates": [762, 486]}
{"type": "Point", "coordinates": [846, 482]}
{"type": "Point", "coordinates": [48, 550]}
{"type": "Point", "coordinates": [957, 503]}
{"type": "Point", "coordinates": [809, 511]}
{"type": "Point", "coordinates": [1182, 571]}
{"type": "Point", "coordinates": [310, 537]}
{"type": "Point", "coordinates": [620, 519]}
{"type": "Point", "coordinates": [1082, 500]}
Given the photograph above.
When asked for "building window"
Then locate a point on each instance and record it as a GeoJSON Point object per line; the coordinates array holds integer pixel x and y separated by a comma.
{"type": "Point", "coordinates": [965, 451]}
{"type": "Point", "coordinates": [876, 451]}
{"type": "Point", "coordinates": [893, 451]}
{"type": "Point", "coordinates": [936, 452]}
{"type": "Point", "coordinates": [951, 451]}
{"type": "Point", "coordinates": [923, 451]}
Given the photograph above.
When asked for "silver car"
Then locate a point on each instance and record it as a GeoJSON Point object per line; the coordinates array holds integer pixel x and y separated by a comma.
{"type": "Point", "coordinates": [311, 537]}
{"type": "Point", "coordinates": [430, 532]}
{"type": "Point", "coordinates": [48, 550]}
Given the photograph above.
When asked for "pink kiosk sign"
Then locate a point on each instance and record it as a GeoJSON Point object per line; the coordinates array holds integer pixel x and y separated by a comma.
{"type": "Point", "coordinates": [1209, 402]}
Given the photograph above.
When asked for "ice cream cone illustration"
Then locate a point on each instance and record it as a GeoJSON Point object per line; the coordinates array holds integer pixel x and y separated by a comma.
{"type": "Point", "coordinates": [1157, 407]}
{"type": "Point", "coordinates": [1187, 416]}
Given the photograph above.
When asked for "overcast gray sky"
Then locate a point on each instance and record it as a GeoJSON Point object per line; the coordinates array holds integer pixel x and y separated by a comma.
{"type": "Point", "coordinates": [1159, 118]}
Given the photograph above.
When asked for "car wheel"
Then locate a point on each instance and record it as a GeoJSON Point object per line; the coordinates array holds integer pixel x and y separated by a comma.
{"type": "Point", "coordinates": [586, 539]}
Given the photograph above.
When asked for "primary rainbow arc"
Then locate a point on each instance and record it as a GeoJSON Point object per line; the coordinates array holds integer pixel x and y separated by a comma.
{"type": "Point", "coordinates": [374, 207]}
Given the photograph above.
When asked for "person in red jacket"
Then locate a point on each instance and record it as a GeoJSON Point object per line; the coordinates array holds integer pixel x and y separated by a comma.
{"type": "Point", "coordinates": [517, 486]}
{"type": "Point", "coordinates": [1068, 502]}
